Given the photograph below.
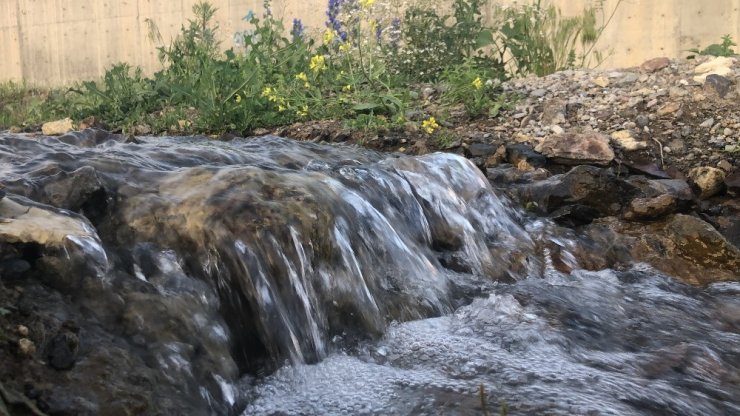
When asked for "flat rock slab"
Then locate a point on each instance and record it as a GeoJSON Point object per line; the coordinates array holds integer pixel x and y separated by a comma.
{"type": "Point", "coordinates": [569, 148]}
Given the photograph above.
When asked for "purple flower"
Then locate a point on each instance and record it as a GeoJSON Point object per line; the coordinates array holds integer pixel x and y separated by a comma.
{"type": "Point", "coordinates": [297, 30]}
{"type": "Point", "coordinates": [332, 13]}
{"type": "Point", "coordinates": [394, 36]}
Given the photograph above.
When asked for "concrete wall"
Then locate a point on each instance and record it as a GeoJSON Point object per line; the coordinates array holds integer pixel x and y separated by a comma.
{"type": "Point", "coordinates": [54, 42]}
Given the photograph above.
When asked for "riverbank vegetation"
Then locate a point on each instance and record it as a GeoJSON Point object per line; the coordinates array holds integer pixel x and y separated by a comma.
{"type": "Point", "coordinates": [369, 66]}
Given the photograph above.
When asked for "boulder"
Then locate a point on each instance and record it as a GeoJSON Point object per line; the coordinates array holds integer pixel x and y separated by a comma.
{"type": "Point", "coordinates": [583, 185]}
{"type": "Point", "coordinates": [689, 248]}
{"type": "Point", "coordinates": [680, 245]}
{"type": "Point", "coordinates": [708, 181]}
{"type": "Point", "coordinates": [577, 148]}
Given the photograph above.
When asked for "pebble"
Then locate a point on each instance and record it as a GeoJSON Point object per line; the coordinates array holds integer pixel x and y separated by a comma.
{"type": "Point", "coordinates": [538, 93]}
{"type": "Point", "coordinates": [642, 120]}
{"type": "Point", "coordinates": [26, 347]}
{"type": "Point", "coordinates": [707, 123]}
{"type": "Point", "coordinates": [22, 331]}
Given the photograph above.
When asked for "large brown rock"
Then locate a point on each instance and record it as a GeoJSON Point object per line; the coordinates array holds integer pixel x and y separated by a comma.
{"type": "Point", "coordinates": [681, 246]}
{"type": "Point", "coordinates": [584, 185]}
{"type": "Point", "coordinates": [655, 64]}
{"type": "Point", "coordinates": [577, 148]}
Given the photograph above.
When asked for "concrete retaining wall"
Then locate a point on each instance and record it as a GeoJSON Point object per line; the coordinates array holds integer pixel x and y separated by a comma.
{"type": "Point", "coordinates": [54, 42]}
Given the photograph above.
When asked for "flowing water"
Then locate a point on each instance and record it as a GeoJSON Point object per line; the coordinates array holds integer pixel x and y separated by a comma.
{"type": "Point", "coordinates": [272, 277]}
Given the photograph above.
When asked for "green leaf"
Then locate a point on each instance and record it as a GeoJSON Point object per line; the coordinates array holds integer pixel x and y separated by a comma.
{"type": "Point", "coordinates": [366, 107]}
{"type": "Point", "coordinates": [485, 38]}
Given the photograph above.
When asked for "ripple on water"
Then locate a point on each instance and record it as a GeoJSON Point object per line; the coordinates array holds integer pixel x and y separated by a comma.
{"type": "Point", "coordinates": [519, 344]}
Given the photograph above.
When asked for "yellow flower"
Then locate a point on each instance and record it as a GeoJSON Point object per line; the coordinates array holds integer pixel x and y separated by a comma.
{"type": "Point", "coordinates": [328, 36]}
{"type": "Point", "coordinates": [346, 46]}
{"type": "Point", "coordinates": [347, 88]}
{"type": "Point", "coordinates": [302, 77]}
{"type": "Point", "coordinates": [303, 112]}
{"type": "Point", "coordinates": [318, 63]}
{"type": "Point", "coordinates": [429, 125]}
{"type": "Point", "coordinates": [366, 3]}
{"type": "Point", "coordinates": [477, 83]}
{"type": "Point", "coordinates": [266, 92]}
{"type": "Point", "coordinates": [238, 98]}
{"type": "Point", "coordinates": [281, 108]}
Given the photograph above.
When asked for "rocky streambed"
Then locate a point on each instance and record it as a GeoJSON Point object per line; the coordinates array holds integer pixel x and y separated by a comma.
{"type": "Point", "coordinates": [571, 258]}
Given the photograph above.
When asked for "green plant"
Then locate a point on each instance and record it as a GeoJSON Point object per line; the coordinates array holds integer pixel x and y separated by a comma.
{"type": "Point", "coordinates": [718, 49]}
{"type": "Point", "coordinates": [430, 42]}
{"type": "Point", "coordinates": [21, 105]}
{"type": "Point", "coordinates": [540, 40]}
{"type": "Point", "coordinates": [476, 88]}
{"type": "Point", "coordinates": [121, 98]}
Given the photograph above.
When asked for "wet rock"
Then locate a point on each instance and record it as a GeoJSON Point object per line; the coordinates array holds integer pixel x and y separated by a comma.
{"type": "Point", "coordinates": [689, 248]}
{"type": "Point", "coordinates": [73, 190]}
{"type": "Point", "coordinates": [583, 185]}
{"type": "Point", "coordinates": [718, 84]}
{"type": "Point", "coordinates": [519, 152]}
{"type": "Point", "coordinates": [574, 215]}
{"type": "Point", "coordinates": [90, 138]}
{"type": "Point", "coordinates": [62, 350]}
{"type": "Point", "coordinates": [718, 66]}
{"type": "Point", "coordinates": [655, 64]}
{"type": "Point", "coordinates": [708, 181]}
{"type": "Point", "coordinates": [625, 140]}
{"type": "Point", "coordinates": [481, 150]}
{"type": "Point", "coordinates": [58, 127]}
{"type": "Point", "coordinates": [496, 158]}
{"type": "Point", "coordinates": [732, 182]}
{"type": "Point", "coordinates": [678, 189]}
{"type": "Point", "coordinates": [511, 175]}
{"type": "Point", "coordinates": [12, 269]}
{"type": "Point", "coordinates": [577, 148]}
{"type": "Point", "coordinates": [649, 208]}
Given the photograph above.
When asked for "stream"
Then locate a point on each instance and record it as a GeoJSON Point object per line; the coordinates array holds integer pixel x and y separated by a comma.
{"type": "Point", "coordinates": [267, 276]}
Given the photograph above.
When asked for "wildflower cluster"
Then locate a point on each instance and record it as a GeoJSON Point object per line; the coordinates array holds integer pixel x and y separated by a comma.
{"type": "Point", "coordinates": [362, 66]}
{"type": "Point", "coordinates": [429, 125]}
